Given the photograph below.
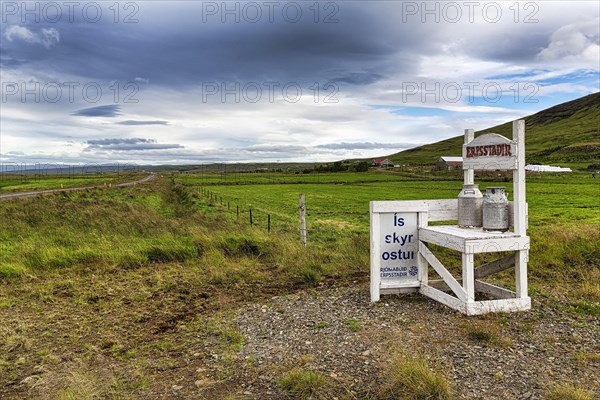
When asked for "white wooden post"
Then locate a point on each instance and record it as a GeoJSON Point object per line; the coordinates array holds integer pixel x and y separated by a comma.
{"type": "Point", "coordinates": [302, 221]}
{"type": "Point", "coordinates": [520, 217]}
{"type": "Point", "coordinates": [469, 173]}
{"type": "Point", "coordinates": [375, 250]}
{"type": "Point", "coordinates": [521, 258]}
{"type": "Point", "coordinates": [520, 209]}
{"type": "Point", "coordinates": [468, 262]}
{"type": "Point", "coordinates": [468, 276]}
{"type": "Point", "coordinates": [422, 221]}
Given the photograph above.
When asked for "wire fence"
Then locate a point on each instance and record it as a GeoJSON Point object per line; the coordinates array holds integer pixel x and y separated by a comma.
{"type": "Point", "coordinates": [270, 221]}
{"type": "Point", "coordinates": [253, 216]}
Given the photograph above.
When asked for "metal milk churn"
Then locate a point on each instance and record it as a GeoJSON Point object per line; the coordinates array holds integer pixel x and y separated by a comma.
{"type": "Point", "coordinates": [470, 207]}
{"type": "Point", "coordinates": [495, 209]}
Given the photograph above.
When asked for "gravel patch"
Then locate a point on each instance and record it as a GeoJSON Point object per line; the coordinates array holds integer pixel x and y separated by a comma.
{"type": "Point", "coordinates": [340, 333]}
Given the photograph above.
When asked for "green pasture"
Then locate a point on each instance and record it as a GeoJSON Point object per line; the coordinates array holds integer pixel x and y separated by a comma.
{"type": "Point", "coordinates": [342, 200]}
{"type": "Point", "coordinates": [232, 177]}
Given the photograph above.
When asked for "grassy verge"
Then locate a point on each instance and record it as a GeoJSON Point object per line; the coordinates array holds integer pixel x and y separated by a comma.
{"type": "Point", "coordinates": [110, 287]}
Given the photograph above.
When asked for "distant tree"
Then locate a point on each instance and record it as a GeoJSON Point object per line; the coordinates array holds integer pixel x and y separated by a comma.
{"type": "Point", "coordinates": [362, 166]}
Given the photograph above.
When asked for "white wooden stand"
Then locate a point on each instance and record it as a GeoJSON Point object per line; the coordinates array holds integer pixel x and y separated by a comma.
{"type": "Point", "coordinates": [459, 294]}
{"type": "Point", "coordinates": [473, 241]}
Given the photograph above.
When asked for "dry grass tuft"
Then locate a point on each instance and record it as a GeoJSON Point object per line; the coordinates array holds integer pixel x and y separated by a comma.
{"type": "Point", "coordinates": [411, 378]}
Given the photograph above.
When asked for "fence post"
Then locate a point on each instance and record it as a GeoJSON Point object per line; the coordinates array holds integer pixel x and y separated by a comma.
{"type": "Point", "coordinates": [302, 221]}
{"type": "Point", "coordinates": [269, 223]}
{"type": "Point", "coordinates": [237, 211]}
{"type": "Point", "coordinates": [251, 223]}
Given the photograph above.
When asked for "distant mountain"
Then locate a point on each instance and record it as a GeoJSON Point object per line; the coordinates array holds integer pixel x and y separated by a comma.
{"type": "Point", "coordinates": [568, 132]}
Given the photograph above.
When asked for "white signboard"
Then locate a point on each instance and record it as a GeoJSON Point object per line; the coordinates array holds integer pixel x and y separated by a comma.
{"type": "Point", "coordinates": [395, 246]}
{"type": "Point", "coordinates": [398, 238]}
{"type": "Point", "coordinates": [490, 151]}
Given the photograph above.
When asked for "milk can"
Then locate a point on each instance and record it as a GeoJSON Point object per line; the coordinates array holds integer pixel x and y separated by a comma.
{"type": "Point", "coordinates": [495, 209]}
{"type": "Point", "coordinates": [470, 207]}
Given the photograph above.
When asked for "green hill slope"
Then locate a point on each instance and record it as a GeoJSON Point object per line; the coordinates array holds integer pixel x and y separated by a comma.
{"type": "Point", "coordinates": [565, 133]}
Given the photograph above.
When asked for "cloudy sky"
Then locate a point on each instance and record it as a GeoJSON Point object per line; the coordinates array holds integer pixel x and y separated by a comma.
{"type": "Point", "coordinates": [196, 82]}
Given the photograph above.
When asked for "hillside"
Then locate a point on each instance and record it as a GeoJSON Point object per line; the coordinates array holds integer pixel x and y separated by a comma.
{"type": "Point", "coordinates": [568, 132]}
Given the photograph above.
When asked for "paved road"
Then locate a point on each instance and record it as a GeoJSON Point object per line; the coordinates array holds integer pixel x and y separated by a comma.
{"type": "Point", "coordinates": [35, 193]}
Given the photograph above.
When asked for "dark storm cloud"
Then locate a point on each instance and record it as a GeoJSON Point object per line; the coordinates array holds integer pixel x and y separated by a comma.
{"type": "Point", "coordinates": [513, 46]}
{"type": "Point", "coordinates": [178, 50]}
{"type": "Point", "coordinates": [359, 78]}
{"type": "Point", "coordinates": [130, 144]}
{"type": "Point", "coordinates": [133, 122]}
{"type": "Point", "coordinates": [112, 110]}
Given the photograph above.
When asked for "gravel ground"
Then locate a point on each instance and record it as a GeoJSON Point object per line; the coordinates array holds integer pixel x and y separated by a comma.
{"type": "Point", "coordinates": [338, 332]}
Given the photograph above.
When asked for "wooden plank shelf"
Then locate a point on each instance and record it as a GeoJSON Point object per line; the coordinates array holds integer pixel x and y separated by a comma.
{"type": "Point", "coordinates": [473, 240]}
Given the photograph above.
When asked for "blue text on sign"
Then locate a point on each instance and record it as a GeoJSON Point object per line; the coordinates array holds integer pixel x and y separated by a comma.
{"type": "Point", "coordinates": [402, 240]}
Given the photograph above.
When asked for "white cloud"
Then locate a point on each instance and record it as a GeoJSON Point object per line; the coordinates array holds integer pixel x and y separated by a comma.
{"type": "Point", "coordinates": [47, 37]}
{"type": "Point", "coordinates": [20, 32]}
{"type": "Point", "coordinates": [576, 43]}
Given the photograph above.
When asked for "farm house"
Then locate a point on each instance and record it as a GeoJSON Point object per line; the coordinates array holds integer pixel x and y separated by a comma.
{"type": "Point", "coordinates": [447, 163]}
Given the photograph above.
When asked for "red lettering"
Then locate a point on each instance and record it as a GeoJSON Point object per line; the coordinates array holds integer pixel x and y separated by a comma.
{"type": "Point", "coordinates": [490, 150]}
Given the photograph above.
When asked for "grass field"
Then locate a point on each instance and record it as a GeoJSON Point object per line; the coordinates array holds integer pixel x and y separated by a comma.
{"type": "Point", "coordinates": [109, 292]}
{"type": "Point", "coordinates": [564, 211]}
{"type": "Point", "coordinates": [23, 183]}
{"type": "Point", "coordinates": [343, 198]}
